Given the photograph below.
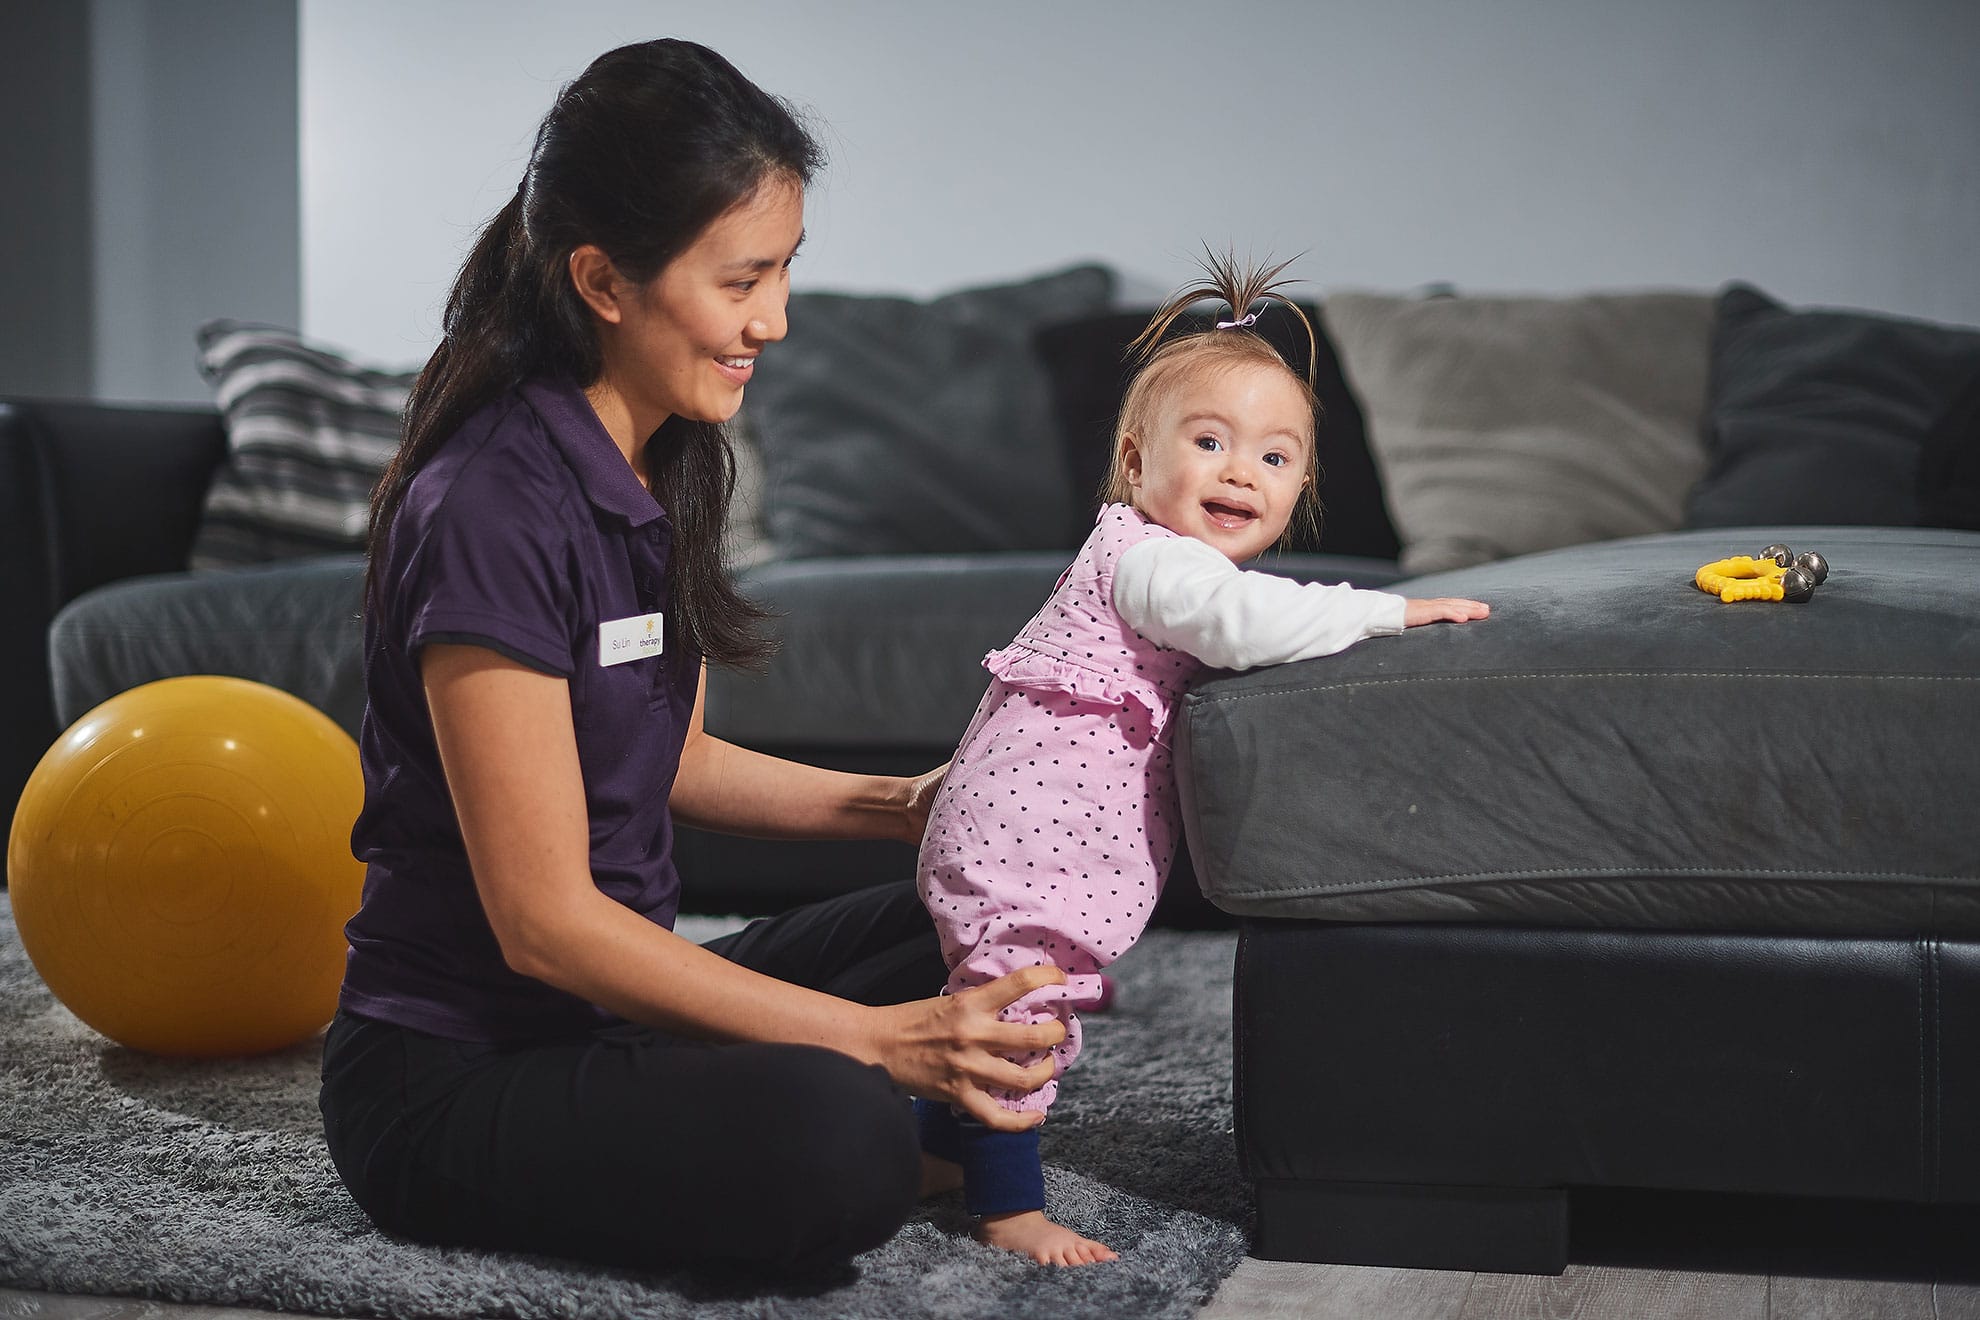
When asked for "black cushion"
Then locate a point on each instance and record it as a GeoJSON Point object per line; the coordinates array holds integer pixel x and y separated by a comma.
{"type": "Point", "coordinates": [1089, 370]}
{"type": "Point", "coordinates": [1818, 416]}
{"type": "Point", "coordinates": [1949, 467]}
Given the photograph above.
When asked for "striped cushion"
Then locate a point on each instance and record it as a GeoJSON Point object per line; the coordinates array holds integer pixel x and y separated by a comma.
{"type": "Point", "coordinates": [308, 434]}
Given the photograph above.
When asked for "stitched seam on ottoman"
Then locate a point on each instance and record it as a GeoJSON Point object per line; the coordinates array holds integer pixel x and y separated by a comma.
{"type": "Point", "coordinates": [1938, 1076]}
{"type": "Point", "coordinates": [1640, 872]}
{"type": "Point", "coordinates": [1924, 948]}
{"type": "Point", "coordinates": [1562, 675]}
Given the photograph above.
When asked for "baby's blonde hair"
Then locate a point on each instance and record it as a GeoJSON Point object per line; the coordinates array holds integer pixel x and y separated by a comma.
{"type": "Point", "coordinates": [1189, 359]}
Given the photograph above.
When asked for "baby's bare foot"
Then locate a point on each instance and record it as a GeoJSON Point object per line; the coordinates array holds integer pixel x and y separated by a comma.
{"type": "Point", "coordinates": [938, 1175]}
{"type": "Point", "coordinates": [1030, 1233]}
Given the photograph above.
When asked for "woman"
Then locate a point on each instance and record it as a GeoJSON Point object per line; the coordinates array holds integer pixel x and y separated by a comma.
{"type": "Point", "coordinates": [526, 1057]}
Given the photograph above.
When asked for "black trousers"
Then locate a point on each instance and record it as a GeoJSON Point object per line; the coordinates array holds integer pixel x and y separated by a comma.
{"type": "Point", "coordinates": [630, 1147]}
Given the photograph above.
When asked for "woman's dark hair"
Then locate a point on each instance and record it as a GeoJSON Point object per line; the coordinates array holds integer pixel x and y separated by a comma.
{"type": "Point", "coordinates": [642, 152]}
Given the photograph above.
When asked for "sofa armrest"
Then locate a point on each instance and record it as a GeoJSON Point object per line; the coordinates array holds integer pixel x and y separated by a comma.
{"type": "Point", "coordinates": [122, 487]}
{"type": "Point", "coordinates": [89, 493]}
{"type": "Point", "coordinates": [26, 592]}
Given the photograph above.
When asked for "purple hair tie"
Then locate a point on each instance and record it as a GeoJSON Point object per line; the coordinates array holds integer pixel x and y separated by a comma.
{"type": "Point", "coordinates": [1244, 322]}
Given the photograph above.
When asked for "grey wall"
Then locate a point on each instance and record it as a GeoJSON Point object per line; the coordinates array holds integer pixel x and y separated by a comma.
{"type": "Point", "coordinates": [157, 189]}
{"type": "Point", "coordinates": [194, 169]}
{"type": "Point", "coordinates": [45, 265]}
{"type": "Point", "coordinates": [324, 162]}
{"type": "Point", "coordinates": [1828, 150]}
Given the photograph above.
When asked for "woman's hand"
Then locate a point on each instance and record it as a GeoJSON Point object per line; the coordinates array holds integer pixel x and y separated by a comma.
{"type": "Point", "coordinates": [917, 799]}
{"type": "Point", "coordinates": [1443, 609]}
{"type": "Point", "coordinates": [953, 1048]}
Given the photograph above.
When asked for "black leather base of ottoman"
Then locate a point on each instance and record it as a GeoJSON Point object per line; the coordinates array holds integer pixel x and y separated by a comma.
{"type": "Point", "coordinates": [1431, 1095]}
{"type": "Point", "coordinates": [1501, 1230]}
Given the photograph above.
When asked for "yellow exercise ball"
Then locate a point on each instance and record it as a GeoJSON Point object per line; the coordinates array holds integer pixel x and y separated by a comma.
{"type": "Point", "coordinates": [180, 866]}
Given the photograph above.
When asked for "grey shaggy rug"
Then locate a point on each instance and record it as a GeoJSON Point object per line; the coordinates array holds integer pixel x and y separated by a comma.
{"type": "Point", "coordinates": [207, 1182]}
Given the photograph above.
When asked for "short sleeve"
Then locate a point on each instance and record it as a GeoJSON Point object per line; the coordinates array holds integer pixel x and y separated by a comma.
{"type": "Point", "coordinates": [507, 582]}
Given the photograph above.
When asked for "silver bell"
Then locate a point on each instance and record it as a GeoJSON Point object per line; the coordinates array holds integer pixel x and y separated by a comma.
{"type": "Point", "coordinates": [1780, 554]}
{"type": "Point", "coordinates": [1813, 563]}
{"type": "Point", "coordinates": [1797, 585]}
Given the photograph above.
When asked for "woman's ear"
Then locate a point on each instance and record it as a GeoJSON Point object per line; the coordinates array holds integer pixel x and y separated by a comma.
{"type": "Point", "coordinates": [597, 281]}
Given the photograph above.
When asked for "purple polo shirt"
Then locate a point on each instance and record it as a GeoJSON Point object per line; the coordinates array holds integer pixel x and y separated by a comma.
{"type": "Point", "coordinates": [524, 533]}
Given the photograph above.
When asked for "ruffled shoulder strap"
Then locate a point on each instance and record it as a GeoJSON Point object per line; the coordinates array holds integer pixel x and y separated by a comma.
{"type": "Point", "coordinates": [1023, 667]}
{"type": "Point", "coordinates": [1078, 644]}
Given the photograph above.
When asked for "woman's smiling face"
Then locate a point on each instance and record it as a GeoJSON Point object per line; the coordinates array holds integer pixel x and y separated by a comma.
{"type": "Point", "coordinates": [1225, 457]}
{"type": "Point", "coordinates": [692, 335]}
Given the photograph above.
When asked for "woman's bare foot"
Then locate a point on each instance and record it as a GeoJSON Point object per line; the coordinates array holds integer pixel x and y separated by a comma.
{"type": "Point", "coordinates": [1030, 1233]}
{"type": "Point", "coordinates": [938, 1175]}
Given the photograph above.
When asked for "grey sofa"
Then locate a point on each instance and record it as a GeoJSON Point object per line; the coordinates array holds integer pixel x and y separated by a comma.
{"type": "Point", "coordinates": [134, 554]}
{"type": "Point", "coordinates": [1502, 944]}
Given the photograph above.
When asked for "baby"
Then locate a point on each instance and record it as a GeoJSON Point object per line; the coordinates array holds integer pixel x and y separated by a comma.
{"type": "Point", "coordinates": [1057, 821]}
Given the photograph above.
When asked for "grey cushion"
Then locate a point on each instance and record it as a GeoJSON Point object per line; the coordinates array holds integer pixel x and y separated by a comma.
{"type": "Point", "coordinates": [881, 653]}
{"type": "Point", "coordinates": [891, 426]}
{"type": "Point", "coordinates": [878, 652]}
{"type": "Point", "coordinates": [1819, 415]}
{"type": "Point", "coordinates": [295, 626]}
{"type": "Point", "coordinates": [1616, 748]}
{"type": "Point", "coordinates": [887, 652]}
{"type": "Point", "coordinates": [1507, 425]}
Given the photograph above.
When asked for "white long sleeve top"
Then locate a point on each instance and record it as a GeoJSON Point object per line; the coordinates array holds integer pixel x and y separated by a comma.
{"type": "Point", "coordinates": [1179, 592]}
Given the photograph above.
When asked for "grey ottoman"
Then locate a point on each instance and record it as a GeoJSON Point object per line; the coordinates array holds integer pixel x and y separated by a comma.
{"type": "Point", "coordinates": [1622, 888]}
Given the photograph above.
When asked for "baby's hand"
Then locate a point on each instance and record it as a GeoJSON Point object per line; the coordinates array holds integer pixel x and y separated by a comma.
{"type": "Point", "coordinates": [1444, 609]}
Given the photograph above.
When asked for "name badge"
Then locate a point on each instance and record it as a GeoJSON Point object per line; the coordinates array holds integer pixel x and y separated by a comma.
{"type": "Point", "coordinates": [620, 640]}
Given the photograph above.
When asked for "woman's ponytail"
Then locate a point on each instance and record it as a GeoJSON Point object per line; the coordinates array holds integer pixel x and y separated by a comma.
{"type": "Point", "coordinates": [478, 358]}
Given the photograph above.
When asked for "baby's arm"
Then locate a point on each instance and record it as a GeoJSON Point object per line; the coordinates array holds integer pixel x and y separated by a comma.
{"type": "Point", "coordinates": [1179, 592]}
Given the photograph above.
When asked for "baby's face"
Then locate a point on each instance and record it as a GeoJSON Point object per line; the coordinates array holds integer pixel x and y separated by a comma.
{"type": "Point", "coordinates": [1224, 459]}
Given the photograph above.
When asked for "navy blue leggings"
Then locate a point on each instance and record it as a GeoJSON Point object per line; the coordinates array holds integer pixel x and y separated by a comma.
{"type": "Point", "coordinates": [630, 1147]}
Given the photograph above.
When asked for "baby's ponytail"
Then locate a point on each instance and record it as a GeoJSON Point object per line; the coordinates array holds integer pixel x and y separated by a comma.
{"type": "Point", "coordinates": [1241, 288]}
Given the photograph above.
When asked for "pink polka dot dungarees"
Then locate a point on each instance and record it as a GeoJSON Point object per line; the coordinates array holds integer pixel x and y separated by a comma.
{"type": "Point", "coordinates": [1058, 819]}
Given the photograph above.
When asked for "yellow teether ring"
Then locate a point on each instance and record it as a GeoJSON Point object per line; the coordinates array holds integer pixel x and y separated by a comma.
{"type": "Point", "coordinates": [1742, 578]}
{"type": "Point", "coordinates": [1776, 573]}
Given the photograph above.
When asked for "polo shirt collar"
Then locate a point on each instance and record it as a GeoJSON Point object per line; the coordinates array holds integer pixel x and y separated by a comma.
{"type": "Point", "coordinates": [601, 468]}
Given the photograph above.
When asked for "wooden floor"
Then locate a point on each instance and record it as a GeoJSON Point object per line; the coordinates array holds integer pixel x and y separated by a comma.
{"type": "Point", "coordinates": [1278, 1290]}
{"type": "Point", "coordinates": [1668, 1256]}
